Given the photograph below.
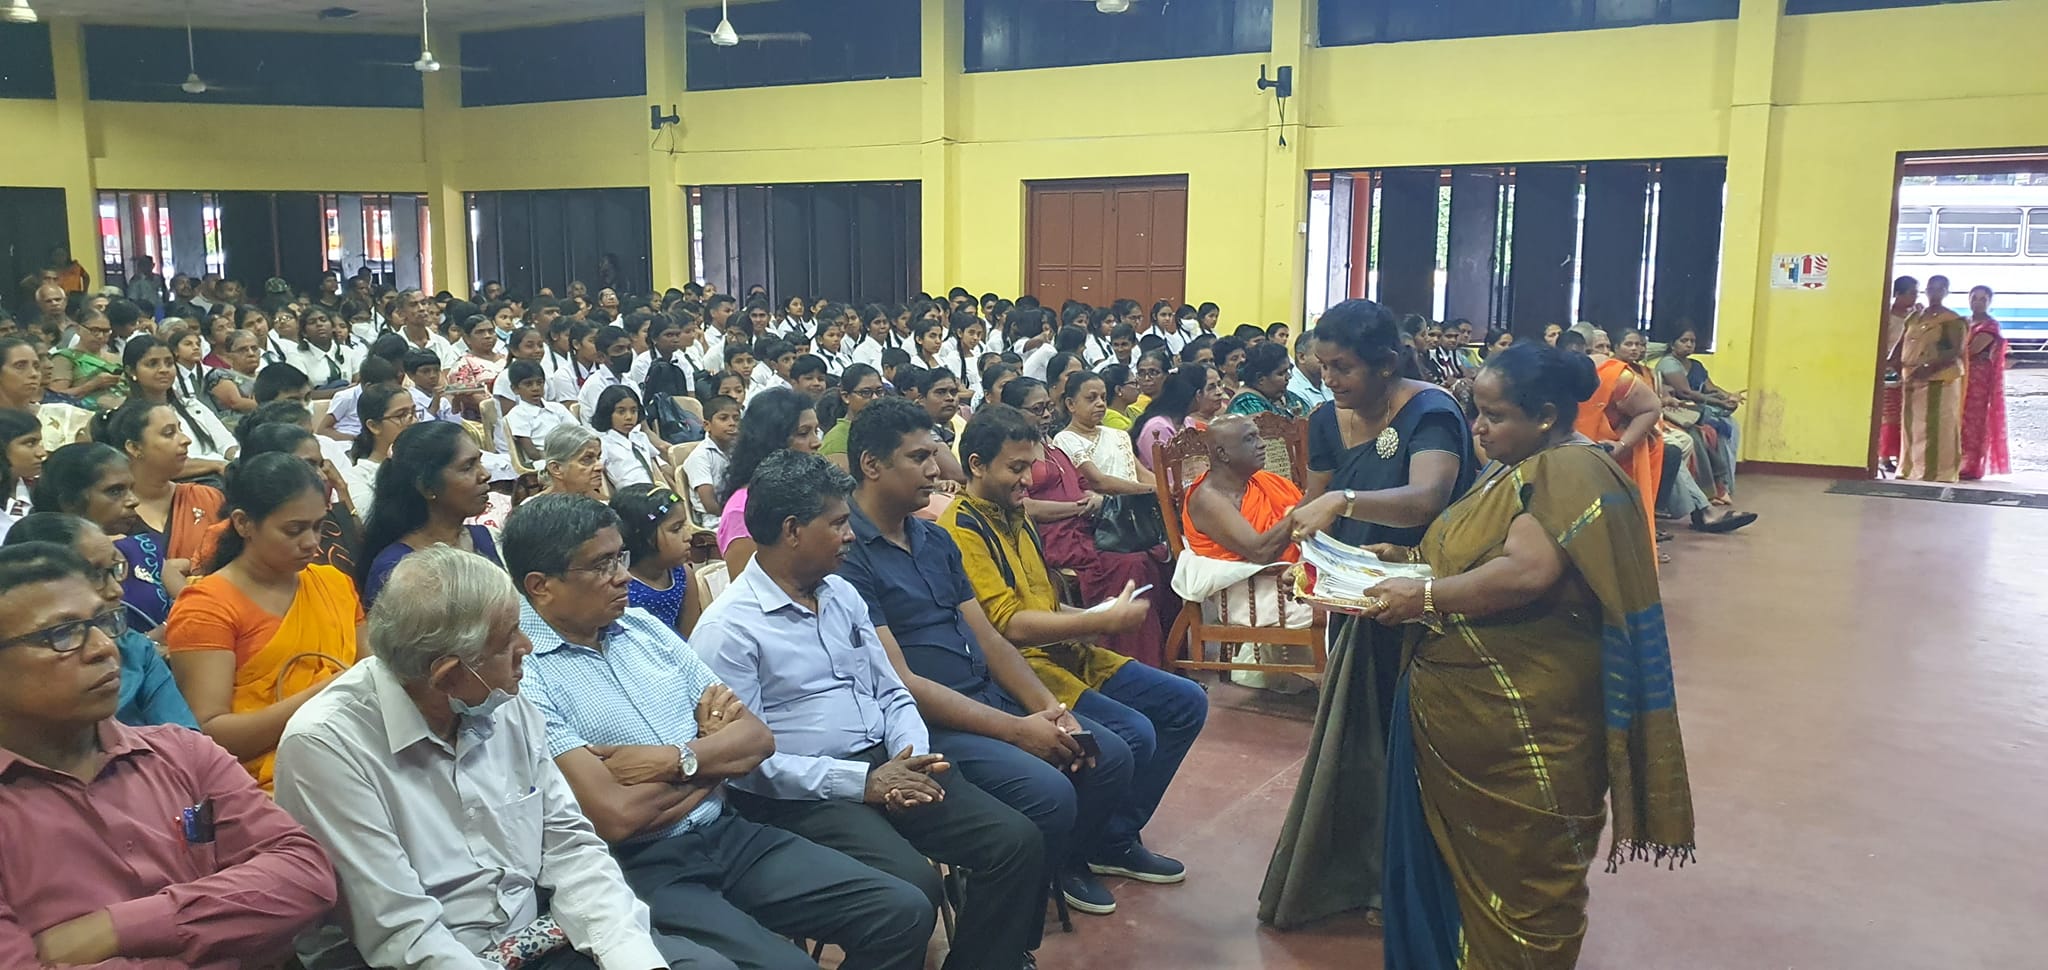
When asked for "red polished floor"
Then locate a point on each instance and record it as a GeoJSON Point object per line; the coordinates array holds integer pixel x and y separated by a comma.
{"type": "Point", "coordinates": [1863, 685]}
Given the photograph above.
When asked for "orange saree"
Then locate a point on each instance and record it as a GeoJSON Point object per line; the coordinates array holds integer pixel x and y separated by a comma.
{"type": "Point", "coordinates": [1600, 419]}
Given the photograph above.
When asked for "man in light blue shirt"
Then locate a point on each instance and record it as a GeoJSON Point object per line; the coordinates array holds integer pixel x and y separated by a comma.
{"type": "Point", "coordinates": [1307, 380]}
{"type": "Point", "coordinates": [852, 767]}
{"type": "Point", "coordinates": [647, 736]}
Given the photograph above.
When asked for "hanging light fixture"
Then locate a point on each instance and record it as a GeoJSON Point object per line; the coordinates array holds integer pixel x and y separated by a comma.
{"type": "Point", "coordinates": [18, 12]}
{"type": "Point", "coordinates": [723, 35]}
{"type": "Point", "coordinates": [1112, 6]}
{"type": "Point", "coordinates": [426, 64]}
{"type": "Point", "coordinates": [192, 85]}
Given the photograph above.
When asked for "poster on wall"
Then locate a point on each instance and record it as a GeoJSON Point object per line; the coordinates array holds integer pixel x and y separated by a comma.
{"type": "Point", "coordinates": [1799, 271]}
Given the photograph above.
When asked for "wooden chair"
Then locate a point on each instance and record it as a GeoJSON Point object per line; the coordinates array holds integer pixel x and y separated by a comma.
{"type": "Point", "coordinates": [1176, 462]}
{"type": "Point", "coordinates": [1286, 445]}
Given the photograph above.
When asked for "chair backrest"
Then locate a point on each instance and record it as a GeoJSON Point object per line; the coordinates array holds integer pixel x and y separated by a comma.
{"type": "Point", "coordinates": [1286, 445]}
{"type": "Point", "coordinates": [1176, 462]}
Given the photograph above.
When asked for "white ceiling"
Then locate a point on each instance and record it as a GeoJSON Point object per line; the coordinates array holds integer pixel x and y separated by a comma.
{"type": "Point", "coordinates": [373, 15]}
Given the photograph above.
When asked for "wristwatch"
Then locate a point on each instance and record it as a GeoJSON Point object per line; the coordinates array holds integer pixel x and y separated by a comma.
{"type": "Point", "coordinates": [1430, 617]}
{"type": "Point", "coordinates": [686, 762]}
{"type": "Point", "coordinates": [1350, 501]}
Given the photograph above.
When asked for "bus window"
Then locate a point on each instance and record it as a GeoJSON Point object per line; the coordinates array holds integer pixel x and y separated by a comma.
{"type": "Point", "coordinates": [1978, 232]}
{"type": "Point", "coordinates": [1912, 240]}
{"type": "Point", "coordinates": [2037, 232]}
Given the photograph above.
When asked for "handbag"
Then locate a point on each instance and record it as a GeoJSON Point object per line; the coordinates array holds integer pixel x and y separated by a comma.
{"type": "Point", "coordinates": [1129, 523]}
{"type": "Point", "coordinates": [1683, 417]}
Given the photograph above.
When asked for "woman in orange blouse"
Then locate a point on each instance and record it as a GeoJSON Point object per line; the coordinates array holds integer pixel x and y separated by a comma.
{"type": "Point", "coordinates": [267, 627]}
{"type": "Point", "coordinates": [156, 446]}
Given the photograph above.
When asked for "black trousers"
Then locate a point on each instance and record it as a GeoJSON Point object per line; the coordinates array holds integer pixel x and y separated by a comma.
{"type": "Point", "coordinates": [1004, 855]}
{"type": "Point", "coordinates": [743, 889]}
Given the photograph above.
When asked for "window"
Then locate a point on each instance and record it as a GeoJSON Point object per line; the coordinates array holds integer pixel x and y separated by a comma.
{"type": "Point", "coordinates": [558, 62]}
{"type": "Point", "coordinates": [25, 67]}
{"type": "Point", "coordinates": [1345, 22]}
{"type": "Point", "coordinates": [1912, 238]}
{"type": "Point", "coordinates": [1978, 232]}
{"type": "Point", "coordinates": [1838, 6]}
{"type": "Point", "coordinates": [805, 42]}
{"type": "Point", "coordinates": [254, 67]}
{"type": "Point", "coordinates": [1013, 35]}
{"type": "Point", "coordinates": [2037, 232]}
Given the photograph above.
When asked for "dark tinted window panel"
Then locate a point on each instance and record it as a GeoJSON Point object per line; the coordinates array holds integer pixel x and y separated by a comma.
{"type": "Point", "coordinates": [559, 62]}
{"type": "Point", "coordinates": [1838, 6]}
{"type": "Point", "coordinates": [528, 240]}
{"type": "Point", "coordinates": [1011, 35]}
{"type": "Point", "coordinates": [1344, 22]}
{"type": "Point", "coordinates": [254, 67]}
{"type": "Point", "coordinates": [805, 42]}
{"type": "Point", "coordinates": [25, 70]}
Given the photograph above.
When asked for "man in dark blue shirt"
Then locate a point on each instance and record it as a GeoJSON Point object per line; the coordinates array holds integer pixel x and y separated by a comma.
{"type": "Point", "coordinates": [1001, 727]}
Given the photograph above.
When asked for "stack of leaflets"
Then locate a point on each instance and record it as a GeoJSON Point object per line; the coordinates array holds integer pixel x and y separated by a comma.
{"type": "Point", "coordinates": [1335, 575]}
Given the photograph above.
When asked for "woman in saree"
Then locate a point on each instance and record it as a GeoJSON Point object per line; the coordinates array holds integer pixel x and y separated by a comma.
{"type": "Point", "coordinates": [1984, 438]}
{"type": "Point", "coordinates": [1931, 391]}
{"type": "Point", "coordinates": [1687, 379]}
{"type": "Point", "coordinates": [1182, 396]}
{"type": "Point", "coordinates": [1623, 412]}
{"type": "Point", "coordinates": [86, 372]}
{"type": "Point", "coordinates": [1264, 375]}
{"type": "Point", "coordinates": [174, 516]}
{"type": "Point", "coordinates": [427, 492]}
{"type": "Point", "coordinates": [1383, 464]}
{"type": "Point", "coordinates": [1544, 611]}
{"type": "Point", "coordinates": [268, 626]}
{"type": "Point", "coordinates": [1062, 503]}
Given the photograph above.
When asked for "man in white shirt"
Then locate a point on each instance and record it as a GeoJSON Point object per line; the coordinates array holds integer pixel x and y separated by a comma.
{"type": "Point", "coordinates": [410, 315]}
{"type": "Point", "coordinates": [423, 775]}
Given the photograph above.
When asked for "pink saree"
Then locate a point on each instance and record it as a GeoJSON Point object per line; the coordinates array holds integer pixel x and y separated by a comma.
{"type": "Point", "coordinates": [1984, 438]}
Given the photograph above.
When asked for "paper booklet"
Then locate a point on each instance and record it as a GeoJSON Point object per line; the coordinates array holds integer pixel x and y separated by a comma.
{"type": "Point", "coordinates": [1335, 575]}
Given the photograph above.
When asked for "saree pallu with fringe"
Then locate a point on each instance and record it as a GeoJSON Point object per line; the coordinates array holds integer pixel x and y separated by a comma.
{"type": "Point", "coordinates": [1521, 724]}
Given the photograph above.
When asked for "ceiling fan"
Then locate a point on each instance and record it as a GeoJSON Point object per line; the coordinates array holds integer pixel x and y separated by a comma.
{"type": "Point", "coordinates": [1111, 6]}
{"type": "Point", "coordinates": [725, 36]}
{"type": "Point", "coordinates": [426, 64]}
{"type": "Point", "coordinates": [18, 12]}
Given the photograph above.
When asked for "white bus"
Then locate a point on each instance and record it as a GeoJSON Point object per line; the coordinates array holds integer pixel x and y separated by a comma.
{"type": "Point", "coordinates": [1981, 235]}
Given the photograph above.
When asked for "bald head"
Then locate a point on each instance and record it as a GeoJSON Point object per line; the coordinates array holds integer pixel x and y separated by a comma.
{"type": "Point", "coordinates": [1235, 446]}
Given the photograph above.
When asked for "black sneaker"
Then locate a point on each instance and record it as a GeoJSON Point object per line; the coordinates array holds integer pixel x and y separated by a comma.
{"type": "Point", "coordinates": [1142, 864]}
{"type": "Point", "coordinates": [1087, 894]}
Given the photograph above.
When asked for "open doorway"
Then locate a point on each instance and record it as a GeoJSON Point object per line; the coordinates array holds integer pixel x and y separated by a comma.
{"type": "Point", "coordinates": [1981, 221]}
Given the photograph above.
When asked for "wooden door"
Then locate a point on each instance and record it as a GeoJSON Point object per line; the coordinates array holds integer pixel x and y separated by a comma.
{"type": "Point", "coordinates": [1105, 240]}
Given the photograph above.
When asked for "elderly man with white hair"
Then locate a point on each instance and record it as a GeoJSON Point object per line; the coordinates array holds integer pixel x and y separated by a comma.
{"type": "Point", "coordinates": [456, 839]}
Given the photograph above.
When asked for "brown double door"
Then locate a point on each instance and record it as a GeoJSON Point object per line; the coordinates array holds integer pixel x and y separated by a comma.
{"type": "Point", "coordinates": [1104, 240]}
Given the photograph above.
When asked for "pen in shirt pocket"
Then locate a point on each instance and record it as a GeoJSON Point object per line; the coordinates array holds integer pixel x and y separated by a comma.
{"type": "Point", "coordinates": [196, 823]}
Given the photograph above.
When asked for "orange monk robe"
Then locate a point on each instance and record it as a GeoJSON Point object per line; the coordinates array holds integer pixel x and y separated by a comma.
{"type": "Point", "coordinates": [1267, 499]}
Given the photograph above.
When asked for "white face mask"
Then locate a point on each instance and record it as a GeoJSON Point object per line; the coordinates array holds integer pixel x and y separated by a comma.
{"type": "Point", "coordinates": [497, 698]}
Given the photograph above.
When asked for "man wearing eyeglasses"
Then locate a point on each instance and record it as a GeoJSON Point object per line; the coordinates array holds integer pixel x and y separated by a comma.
{"type": "Point", "coordinates": [151, 845]}
{"type": "Point", "coordinates": [647, 736]}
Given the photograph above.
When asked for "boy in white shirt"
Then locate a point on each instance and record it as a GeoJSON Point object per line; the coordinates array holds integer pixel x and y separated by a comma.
{"type": "Point", "coordinates": [705, 468]}
{"type": "Point", "coordinates": [533, 416]}
{"type": "Point", "coordinates": [774, 357]}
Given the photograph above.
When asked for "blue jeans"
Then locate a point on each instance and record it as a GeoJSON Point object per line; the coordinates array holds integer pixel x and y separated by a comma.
{"type": "Point", "coordinates": [1158, 715]}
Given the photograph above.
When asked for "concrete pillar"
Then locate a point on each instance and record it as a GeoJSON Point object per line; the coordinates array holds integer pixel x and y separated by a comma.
{"type": "Point", "coordinates": [944, 42]}
{"type": "Point", "coordinates": [447, 210]}
{"type": "Point", "coordinates": [1283, 249]}
{"type": "Point", "coordinates": [668, 201]}
{"type": "Point", "coordinates": [81, 195]}
{"type": "Point", "coordinates": [1744, 261]}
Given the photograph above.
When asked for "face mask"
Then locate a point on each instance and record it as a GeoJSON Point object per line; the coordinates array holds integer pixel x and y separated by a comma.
{"type": "Point", "coordinates": [622, 363]}
{"type": "Point", "coordinates": [503, 335]}
{"type": "Point", "coordinates": [497, 698]}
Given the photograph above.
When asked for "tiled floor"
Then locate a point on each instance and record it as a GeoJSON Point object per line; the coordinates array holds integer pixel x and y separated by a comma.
{"type": "Point", "coordinates": [1864, 689]}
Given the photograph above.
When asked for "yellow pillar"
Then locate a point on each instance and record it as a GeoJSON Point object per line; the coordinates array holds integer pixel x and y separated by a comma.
{"type": "Point", "coordinates": [1284, 228]}
{"type": "Point", "coordinates": [944, 39]}
{"type": "Point", "coordinates": [668, 203]}
{"type": "Point", "coordinates": [73, 147]}
{"type": "Point", "coordinates": [447, 209]}
{"type": "Point", "coordinates": [1743, 255]}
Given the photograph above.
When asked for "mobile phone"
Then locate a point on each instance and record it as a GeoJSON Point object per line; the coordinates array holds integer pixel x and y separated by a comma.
{"type": "Point", "coordinates": [1089, 746]}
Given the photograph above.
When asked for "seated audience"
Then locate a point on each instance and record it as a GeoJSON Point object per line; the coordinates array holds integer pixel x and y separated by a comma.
{"type": "Point", "coordinates": [267, 626]}
{"type": "Point", "coordinates": [92, 481]}
{"type": "Point", "coordinates": [151, 374]}
{"type": "Point", "coordinates": [647, 737]}
{"type": "Point", "coordinates": [126, 846]}
{"type": "Point", "coordinates": [21, 435]}
{"type": "Point", "coordinates": [1183, 398]}
{"type": "Point", "coordinates": [1306, 383]}
{"type": "Point", "coordinates": [384, 768]}
{"type": "Point", "coordinates": [854, 767]}
{"type": "Point", "coordinates": [339, 533]}
{"type": "Point", "coordinates": [704, 469]}
{"type": "Point", "coordinates": [1157, 714]}
{"type": "Point", "coordinates": [616, 349]}
{"type": "Point", "coordinates": [858, 387]}
{"type": "Point", "coordinates": [387, 410]}
{"type": "Point", "coordinates": [1237, 521]}
{"type": "Point", "coordinates": [1266, 375]}
{"type": "Point", "coordinates": [532, 415]}
{"type": "Point", "coordinates": [149, 694]}
{"type": "Point", "coordinates": [655, 523]}
{"type": "Point", "coordinates": [775, 419]}
{"type": "Point", "coordinates": [572, 462]}
{"type": "Point", "coordinates": [177, 512]}
{"type": "Point", "coordinates": [433, 483]}
{"type": "Point", "coordinates": [430, 401]}
{"type": "Point", "coordinates": [630, 458]}
{"type": "Point", "coordinates": [90, 371]}
{"type": "Point", "coordinates": [21, 375]}
{"type": "Point", "coordinates": [231, 391]}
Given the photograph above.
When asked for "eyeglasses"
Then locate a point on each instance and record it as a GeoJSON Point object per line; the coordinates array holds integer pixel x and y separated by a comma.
{"type": "Point", "coordinates": [1150, 372]}
{"type": "Point", "coordinates": [1040, 410]}
{"type": "Point", "coordinates": [866, 393]}
{"type": "Point", "coordinates": [111, 573]}
{"type": "Point", "coordinates": [609, 565]}
{"type": "Point", "coordinates": [69, 636]}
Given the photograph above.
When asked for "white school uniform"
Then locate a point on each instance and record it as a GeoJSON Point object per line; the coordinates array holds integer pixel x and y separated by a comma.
{"type": "Point", "coordinates": [629, 459]}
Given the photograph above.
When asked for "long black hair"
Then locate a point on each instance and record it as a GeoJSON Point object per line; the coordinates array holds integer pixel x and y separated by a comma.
{"type": "Point", "coordinates": [70, 472]}
{"type": "Point", "coordinates": [607, 401]}
{"type": "Point", "coordinates": [419, 457]}
{"type": "Point", "coordinates": [132, 353]}
{"type": "Point", "coordinates": [1176, 397]}
{"type": "Point", "coordinates": [771, 418]}
{"type": "Point", "coordinates": [257, 487]}
{"type": "Point", "coordinates": [14, 425]}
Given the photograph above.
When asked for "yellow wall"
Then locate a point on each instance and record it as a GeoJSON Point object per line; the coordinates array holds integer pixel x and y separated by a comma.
{"type": "Point", "coordinates": [1811, 111]}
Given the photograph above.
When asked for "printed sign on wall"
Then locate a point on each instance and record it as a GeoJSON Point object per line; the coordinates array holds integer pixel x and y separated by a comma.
{"type": "Point", "coordinates": [1799, 271]}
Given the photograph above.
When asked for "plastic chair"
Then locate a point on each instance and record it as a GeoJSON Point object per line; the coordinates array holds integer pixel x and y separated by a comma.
{"type": "Point", "coordinates": [1174, 464]}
